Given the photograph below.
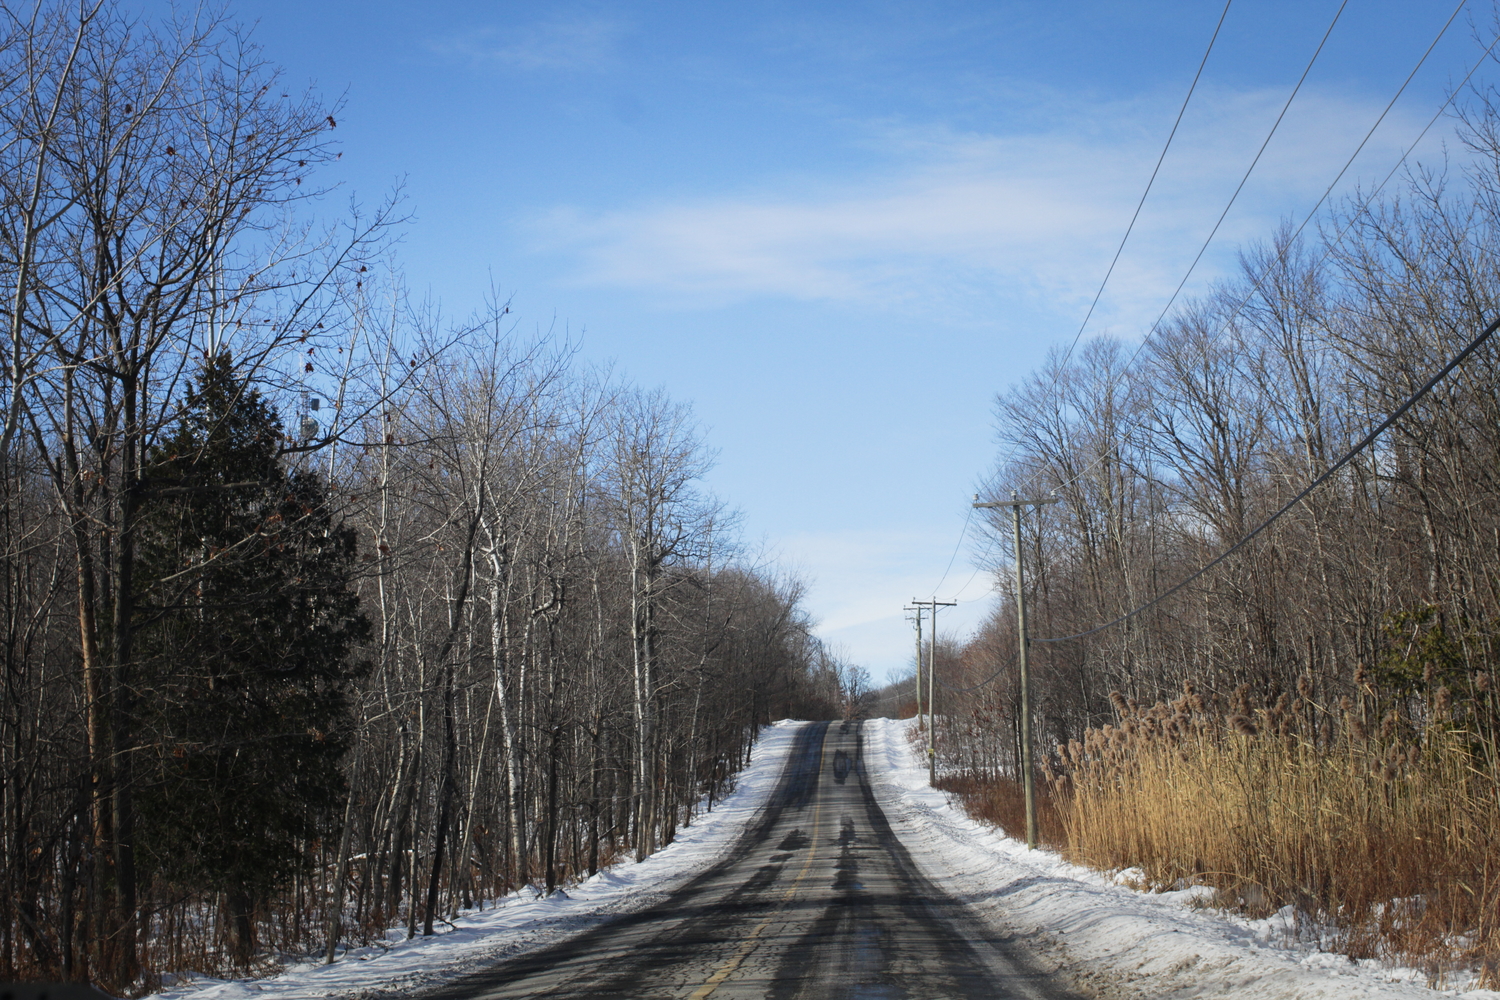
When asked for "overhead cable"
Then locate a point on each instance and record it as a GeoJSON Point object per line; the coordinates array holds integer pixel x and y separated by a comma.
{"type": "Point", "coordinates": [1344, 460]}
{"type": "Point", "coordinates": [1150, 182]}
{"type": "Point", "coordinates": [1248, 170]}
{"type": "Point", "coordinates": [1286, 106]}
{"type": "Point", "coordinates": [1307, 219]}
{"type": "Point", "coordinates": [975, 687]}
{"type": "Point", "coordinates": [1154, 171]}
{"type": "Point", "coordinates": [1312, 212]}
{"type": "Point", "coordinates": [962, 534]}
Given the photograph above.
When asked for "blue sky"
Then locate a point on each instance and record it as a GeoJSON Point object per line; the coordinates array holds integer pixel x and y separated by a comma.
{"type": "Point", "coordinates": [838, 229]}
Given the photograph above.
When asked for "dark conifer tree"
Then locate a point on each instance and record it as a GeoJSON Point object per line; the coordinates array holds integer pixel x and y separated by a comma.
{"type": "Point", "coordinates": [248, 625]}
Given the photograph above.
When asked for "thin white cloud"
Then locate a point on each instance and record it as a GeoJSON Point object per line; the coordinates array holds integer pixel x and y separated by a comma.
{"type": "Point", "coordinates": [862, 577]}
{"type": "Point", "coordinates": [861, 580]}
{"type": "Point", "coordinates": [964, 217]}
{"type": "Point", "coordinates": [561, 43]}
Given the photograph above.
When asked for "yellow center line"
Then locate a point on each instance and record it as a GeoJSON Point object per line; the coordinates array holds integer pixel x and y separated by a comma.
{"type": "Point", "coordinates": [727, 969]}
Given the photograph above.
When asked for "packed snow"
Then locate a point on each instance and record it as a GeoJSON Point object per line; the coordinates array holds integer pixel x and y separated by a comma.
{"type": "Point", "coordinates": [1103, 935]}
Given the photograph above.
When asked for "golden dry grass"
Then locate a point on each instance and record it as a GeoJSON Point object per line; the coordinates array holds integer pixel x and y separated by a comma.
{"type": "Point", "coordinates": [1001, 802]}
{"type": "Point", "coordinates": [1377, 818]}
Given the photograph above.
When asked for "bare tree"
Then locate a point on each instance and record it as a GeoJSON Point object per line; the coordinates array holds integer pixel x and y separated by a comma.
{"type": "Point", "coordinates": [655, 460]}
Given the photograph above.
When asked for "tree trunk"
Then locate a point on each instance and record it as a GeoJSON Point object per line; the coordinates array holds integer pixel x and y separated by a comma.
{"type": "Point", "coordinates": [445, 801]}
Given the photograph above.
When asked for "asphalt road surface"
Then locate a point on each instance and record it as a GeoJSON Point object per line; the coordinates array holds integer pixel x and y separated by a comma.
{"type": "Point", "coordinates": [818, 899]}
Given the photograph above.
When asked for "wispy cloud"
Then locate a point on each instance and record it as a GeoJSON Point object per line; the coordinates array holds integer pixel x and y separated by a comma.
{"type": "Point", "coordinates": [560, 43]}
{"type": "Point", "coordinates": [860, 576]}
{"type": "Point", "coordinates": [950, 216]}
{"type": "Point", "coordinates": [862, 579]}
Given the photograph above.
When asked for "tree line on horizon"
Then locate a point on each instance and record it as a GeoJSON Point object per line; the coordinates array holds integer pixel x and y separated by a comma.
{"type": "Point", "coordinates": [318, 617]}
{"type": "Point", "coordinates": [1361, 629]}
{"type": "Point", "coordinates": [1163, 454]}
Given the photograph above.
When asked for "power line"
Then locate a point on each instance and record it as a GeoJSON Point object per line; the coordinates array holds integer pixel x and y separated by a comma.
{"type": "Point", "coordinates": [1338, 238]}
{"type": "Point", "coordinates": [1311, 214]}
{"type": "Point", "coordinates": [1250, 169]}
{"type": "Point", "coordinates": [1208, 240]}
{"type": "Point", "coordinates": [962, 533]}
{"type": "Point", "coordinates": [977, 570]}
{"type": "Point", "coordinates": [975, 687]}
{"type": "Point", "coordinates": [1286, 106]}
{"type": "Point", "coordinates": [1347, 457]}
{"type": "Point", "coordinates": [1149, 184]}
{"type": "Point", "coordinates": [1307, 218]}
{"type": "Point", "coordinates": [1154, 171]}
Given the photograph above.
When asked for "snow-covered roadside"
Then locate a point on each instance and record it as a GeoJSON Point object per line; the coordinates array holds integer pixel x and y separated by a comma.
{"type": "Point", "coordinates": [1131, 943]}
{"type": "Point", "coordinates": [521, 923]}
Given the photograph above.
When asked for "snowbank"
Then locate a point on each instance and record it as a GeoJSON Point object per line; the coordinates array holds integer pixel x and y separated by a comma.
{"type": "Point", "coordinates": [523, 922]}
{"type": "Point", "coordinates": [1126, 942]}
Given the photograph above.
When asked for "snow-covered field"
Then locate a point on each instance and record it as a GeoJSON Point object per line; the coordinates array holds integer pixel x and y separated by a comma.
{"type": "Point", "coordinates": [1128, 943]}
{"type": "Point", "coordinates": [523, 922]}
{"type": "Point", "coordinates": [1123, 942]}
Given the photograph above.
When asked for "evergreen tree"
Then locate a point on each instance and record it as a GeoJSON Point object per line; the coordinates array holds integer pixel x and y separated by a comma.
{"type": "Point", "coordinates": [247, 626]}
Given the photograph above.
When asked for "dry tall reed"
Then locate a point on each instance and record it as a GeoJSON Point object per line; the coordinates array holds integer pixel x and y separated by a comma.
{"type": "Point", "coordinates": [1001, 802]}
{"type": "Point", "coordinates": [1374, 817]}
{"type": "Point", "coordinates": [1377, 818]}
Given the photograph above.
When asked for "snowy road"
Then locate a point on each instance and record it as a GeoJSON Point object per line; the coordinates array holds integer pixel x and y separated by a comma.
{"type": "Point", "coordinates": [818, 899]}
{"type": "Point", "coordinates": [774, 894]}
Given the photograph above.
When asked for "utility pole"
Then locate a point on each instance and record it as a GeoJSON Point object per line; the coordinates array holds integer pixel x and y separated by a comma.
{"type": "Point", "coordinates": [934, 604]}
{"type": "Point", "coordinates": [1028, 777]}
{"type": "Point", "coordinates": [918, 621]}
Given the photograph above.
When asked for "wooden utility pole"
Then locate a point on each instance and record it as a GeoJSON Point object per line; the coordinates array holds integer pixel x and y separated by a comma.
{"type": "Point", "coordinates": [934, 604]}
{"type": "Point", "coordinates": [918, 621]}
{"type": "Point", "coordinates": [1028, 777]}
